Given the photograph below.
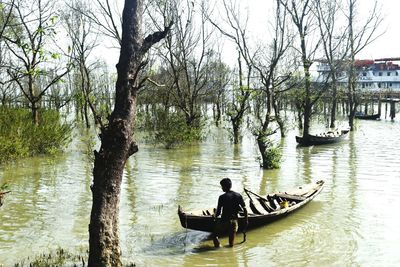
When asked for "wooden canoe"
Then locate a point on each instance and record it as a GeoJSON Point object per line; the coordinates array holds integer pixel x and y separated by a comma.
{"type": "Point", "coordinates": [323, 138]}
{"type": "Point", "coordinates": [261, 210]}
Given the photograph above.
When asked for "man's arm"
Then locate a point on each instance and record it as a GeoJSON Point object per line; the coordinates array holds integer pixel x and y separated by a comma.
{"type": "Point", "coordinates": [219, 207]}
{"type": "Point", "coordinates": [246, 215]}
{"type": "Point", "coordinates": [244, 209]}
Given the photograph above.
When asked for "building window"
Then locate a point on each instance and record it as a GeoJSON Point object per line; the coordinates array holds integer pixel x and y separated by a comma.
{"type": "Point", "coordinates": [379, 85]}
{"type": "Point", "coordinates": [388, 73]}
{"type": "Point", "coordinates": [390, 84]}
{"type": "Point", "coordinates": [364, 74]}
{"type": "Point", "coordinates": [380, 73]}
{"type": "Point", "coordinates": [397, 74]}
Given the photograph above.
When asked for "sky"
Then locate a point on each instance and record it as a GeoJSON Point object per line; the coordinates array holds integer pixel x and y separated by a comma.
{"type": "Point", "coordinates": [387, 45]}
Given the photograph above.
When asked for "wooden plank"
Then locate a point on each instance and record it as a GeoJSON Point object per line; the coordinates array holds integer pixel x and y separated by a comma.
{"type": "Point", "coordinates": [256, 207]}
{"type": "Point", "coordinates": [266, 205]}
{"type": "Point", "coordinates": [293, 197]}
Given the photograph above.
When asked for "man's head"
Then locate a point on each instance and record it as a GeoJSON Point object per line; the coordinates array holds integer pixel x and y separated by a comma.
{"type": "Point", "coordinates": [226, 184]}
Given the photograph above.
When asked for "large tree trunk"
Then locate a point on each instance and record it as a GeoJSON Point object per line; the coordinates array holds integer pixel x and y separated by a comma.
{"type": "Point", "coordinates": [116, 147]}
{"type": "Point", "coordinates": [236, 131]}
{"type": "Point", "coordinates": [262, 147]}
{"type": "Point", "coordinates": [116, 140]}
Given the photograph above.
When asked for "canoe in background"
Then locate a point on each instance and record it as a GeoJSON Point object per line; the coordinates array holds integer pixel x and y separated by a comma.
{"type": "Point", "coordinates": [323, 138]}
{"type": "Point", "coordinates": [363, 116]}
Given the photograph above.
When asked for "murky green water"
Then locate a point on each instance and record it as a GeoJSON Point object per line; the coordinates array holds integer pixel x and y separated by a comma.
{"type": "Point", "coordinates": [353, 222]}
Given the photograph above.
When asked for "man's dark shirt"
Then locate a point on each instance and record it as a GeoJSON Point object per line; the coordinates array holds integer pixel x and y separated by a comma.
{"type": "Point", "coordinates": [231, 203]}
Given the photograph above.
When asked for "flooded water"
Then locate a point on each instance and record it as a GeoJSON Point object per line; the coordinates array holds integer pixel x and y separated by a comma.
{"type": "Point", "coordinates": [353, 222]}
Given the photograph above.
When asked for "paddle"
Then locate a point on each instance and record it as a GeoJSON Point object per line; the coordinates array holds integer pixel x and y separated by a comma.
{"type": "Point", "coordinates": [244, 231]}
{"type": "Point", "coordinates": [257, 195]}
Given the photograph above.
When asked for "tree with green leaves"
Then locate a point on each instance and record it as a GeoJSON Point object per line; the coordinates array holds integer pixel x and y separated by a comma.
{"type": "Point", "coordinates": [36, 59]}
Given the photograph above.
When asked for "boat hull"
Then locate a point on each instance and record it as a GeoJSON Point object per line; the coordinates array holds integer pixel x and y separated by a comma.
{"type": "Point", "coordinates": [368, 117]}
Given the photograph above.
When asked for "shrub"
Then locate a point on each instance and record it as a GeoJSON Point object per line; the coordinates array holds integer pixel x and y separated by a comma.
{"type": "Point", "coordinates": [271, 154]}
{"type": "Point", "coordinates": [20, 137]}
{"type": "Point", "coordinates": [170, 129]}
{"type": "Point", "coordinates": [273, 158]}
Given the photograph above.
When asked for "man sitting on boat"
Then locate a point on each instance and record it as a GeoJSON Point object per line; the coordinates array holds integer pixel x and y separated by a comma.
{"type": "Point", "coordinates": [231, 203]}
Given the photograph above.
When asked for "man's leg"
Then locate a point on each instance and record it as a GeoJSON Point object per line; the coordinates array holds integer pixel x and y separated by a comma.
{"type": "Point", "coordinates": [215, 235]}
{"type": "Point", "coordinates": [217, 244]}
{"type": "Point", "coordinates": [232, 232]}
{"type": "Point", "coordinates": [232, 235]}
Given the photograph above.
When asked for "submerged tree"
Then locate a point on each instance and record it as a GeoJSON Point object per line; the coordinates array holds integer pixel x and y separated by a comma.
{"type": "Point", "coordinates": [117, 143]}
{"type": "Point", "coordinates": [268, 67]}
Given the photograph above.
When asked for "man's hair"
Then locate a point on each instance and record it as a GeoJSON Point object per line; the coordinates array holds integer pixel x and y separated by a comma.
{"type": "Point", "coordinates": [226, 183]}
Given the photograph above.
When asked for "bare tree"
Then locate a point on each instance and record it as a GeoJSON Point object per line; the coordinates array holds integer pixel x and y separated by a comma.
{"type": "Point", "coordinates": [83, 42]}
{"type": "Point", "coordinates": [106, 16]}
{"type": "Point", "coordinates": [117, 143]}
{"type": "Point", "coordinates": [187, 56]}
{"type": "Point", "coordinates": [334, 44]}
{"type": "Point", "coordinates": [220, 78]}
{"type": "Point", "coordinates": [236, 31]}
{"type": "Point", "coordinates": [359, 38]}
{"type": "Point", "coordinates": [301, 13]}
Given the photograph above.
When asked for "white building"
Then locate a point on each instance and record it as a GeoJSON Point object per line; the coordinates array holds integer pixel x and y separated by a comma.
{"type": "Point", "coordinates": [373, 75]}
